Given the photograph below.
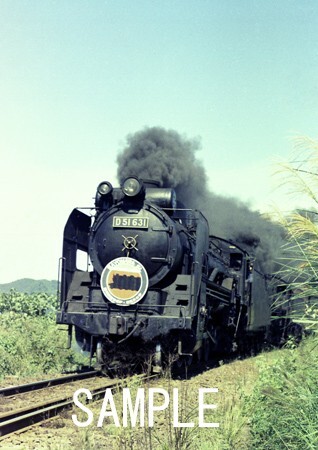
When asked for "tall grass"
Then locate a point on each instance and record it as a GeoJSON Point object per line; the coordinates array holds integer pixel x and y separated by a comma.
{"type": "Point", "coordinates": [299, 266]}
{"type": "Point", "coordinates": [283, 407]}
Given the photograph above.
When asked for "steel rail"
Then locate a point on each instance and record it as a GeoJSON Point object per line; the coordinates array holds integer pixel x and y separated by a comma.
{"type": "Point", "coordinates": [13, 421]}
{"type": "Point", "coordinates": [29, 387]}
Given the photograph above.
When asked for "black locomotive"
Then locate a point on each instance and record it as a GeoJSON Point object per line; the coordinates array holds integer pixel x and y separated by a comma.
{"type": "Point", "coordinates": [156, 282]}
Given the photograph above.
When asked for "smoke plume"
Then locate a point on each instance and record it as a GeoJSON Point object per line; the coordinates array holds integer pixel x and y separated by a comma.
{"type": "Point", "coordinates": [164, 155]}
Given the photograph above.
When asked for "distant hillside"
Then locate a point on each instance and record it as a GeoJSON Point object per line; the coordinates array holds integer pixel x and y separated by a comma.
{"type": "Point", "coordinates": [30, 286]}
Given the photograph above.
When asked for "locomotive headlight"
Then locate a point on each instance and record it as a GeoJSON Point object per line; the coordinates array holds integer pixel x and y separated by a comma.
{"type": "Point", "coordinates": [132, 187]}
{"type": "Point", "coordinates": [104, 188]}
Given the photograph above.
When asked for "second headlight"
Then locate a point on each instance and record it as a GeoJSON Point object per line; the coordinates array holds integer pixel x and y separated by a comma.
{"type": "Point", "coordinates": [132, 186]}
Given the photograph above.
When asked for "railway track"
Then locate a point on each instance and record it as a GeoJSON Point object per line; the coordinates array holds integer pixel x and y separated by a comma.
{"type": "Point", "coordinates": [23, 418]}
{"type": "Point", "coordinates": [29, 387]}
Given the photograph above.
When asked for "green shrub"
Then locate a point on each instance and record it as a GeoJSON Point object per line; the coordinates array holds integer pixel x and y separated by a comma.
{"type": "Point", "coordinates": [30, 343]}
{"type": "Point", "coordinates": [30, 304]}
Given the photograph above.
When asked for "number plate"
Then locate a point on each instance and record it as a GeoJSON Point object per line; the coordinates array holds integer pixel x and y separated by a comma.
{"type": "Point", "coordinates": [130, 222]}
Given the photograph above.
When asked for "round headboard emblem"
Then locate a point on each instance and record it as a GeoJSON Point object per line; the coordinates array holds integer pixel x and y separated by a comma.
{"type": "Point", "coordinates": [124, 281]}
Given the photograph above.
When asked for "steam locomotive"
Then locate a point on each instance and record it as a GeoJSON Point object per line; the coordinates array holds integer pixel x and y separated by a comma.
{"type": "Point", "coordinates": [156, 282]}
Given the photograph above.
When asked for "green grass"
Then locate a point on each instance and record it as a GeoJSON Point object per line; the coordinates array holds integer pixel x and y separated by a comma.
{"type": "Point", "coordinates": [283, 407]}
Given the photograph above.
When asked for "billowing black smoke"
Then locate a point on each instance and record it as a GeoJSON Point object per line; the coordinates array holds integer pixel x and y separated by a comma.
{"type": "Point", "coordinates": [164, 155]}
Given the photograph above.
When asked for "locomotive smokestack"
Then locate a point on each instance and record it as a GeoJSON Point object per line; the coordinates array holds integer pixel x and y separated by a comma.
{"type": "Point", "coordinates": [165, 155]}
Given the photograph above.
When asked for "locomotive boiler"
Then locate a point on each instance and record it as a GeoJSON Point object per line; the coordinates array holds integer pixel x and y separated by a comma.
{"type": "Point", "coordinates": [156, 282]}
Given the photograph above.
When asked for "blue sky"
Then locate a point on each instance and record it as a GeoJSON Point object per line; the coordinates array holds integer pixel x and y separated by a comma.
{"type": "Point", "coordinates": [76, 77]}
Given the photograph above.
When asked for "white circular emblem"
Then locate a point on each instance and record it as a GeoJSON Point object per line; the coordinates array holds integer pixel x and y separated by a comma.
{"type": "Point", "coordinates": [124, 281]}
